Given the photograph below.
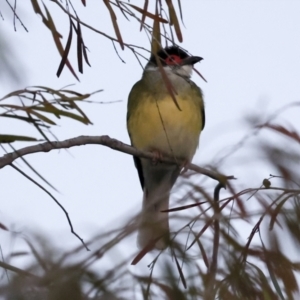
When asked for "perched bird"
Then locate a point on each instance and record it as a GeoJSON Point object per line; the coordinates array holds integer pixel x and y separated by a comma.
{"type": "Point", "coordinates": [156, 123]}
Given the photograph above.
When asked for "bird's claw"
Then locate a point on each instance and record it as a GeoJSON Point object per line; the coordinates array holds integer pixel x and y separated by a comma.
{"type": "Point", "coordinates": [157, 157]}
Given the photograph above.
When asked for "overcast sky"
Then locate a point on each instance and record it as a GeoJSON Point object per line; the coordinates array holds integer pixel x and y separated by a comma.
{"type": "Point", "coordinates": [251, 52]}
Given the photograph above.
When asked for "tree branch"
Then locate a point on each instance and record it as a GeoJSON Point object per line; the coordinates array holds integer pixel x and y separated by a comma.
{"type": "Point", "coordinates": [104, 140]}
{"type": "Point", "coordinates": [76, 18]}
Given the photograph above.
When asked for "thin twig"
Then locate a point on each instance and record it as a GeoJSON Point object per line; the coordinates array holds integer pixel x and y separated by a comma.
{"type": "Point", "coordinates": [5, 270]}
{"type": "Point", "coordinates": [122, 60]}
{"type": "Point", "coordinates": [96, 30]}
{"type": "Point", "coordinates": [212, 271]}
{"type": "Point", "coordinates": [56, 201]}
{"type": "Point", "coordinates": [256, 227]}
{"type": "Point", "coordinates": [15, 7]}
{"type": "Point", "coordinates": [16, 16]}
{"type": "Point", "coordinates": [151, 267]}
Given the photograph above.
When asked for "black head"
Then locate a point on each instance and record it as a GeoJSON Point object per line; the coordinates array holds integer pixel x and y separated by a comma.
{"type": "Point", "coordinates": [174, 56]}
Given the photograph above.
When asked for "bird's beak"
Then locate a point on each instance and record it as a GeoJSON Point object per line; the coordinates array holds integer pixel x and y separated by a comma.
{"type": "Point", "coordinates": [191, 60]}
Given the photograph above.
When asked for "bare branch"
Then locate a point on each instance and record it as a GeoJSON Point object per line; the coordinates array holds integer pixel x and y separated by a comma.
{"type": "Point", "coordinates": [56, 201]}
{"type": "Point", "coordinates": [16, 16]}
{"type": "Point", "coordinates": [103, 140]}
{"type": "Point", "coordinates": [16, 270]}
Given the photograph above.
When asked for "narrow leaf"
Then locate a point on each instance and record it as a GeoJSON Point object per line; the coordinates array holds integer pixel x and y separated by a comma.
{"type": "Point", "coordinates": [202, 250]}
{"type": "Point", "coordinates": [85, 54]}
{"type": "Point", "coordinates": [42, 117]}
{"type": "Point", "coordinates": [174, 20]}
{"type": "Point", "coordinates": [271, 271]}
{"type": "Point", "coordinates": [114, 22]}
{"type": "Point", "coordinates": [180, 10]}
{"type": "Point", "coordinates": [197, 236]}
{"type": "Point", "coordinates": [64, 57]}
{"type": "Point", "coordinates": [20, 118]}
{"type": "Point", "coordinates": [3, 227]}
{"type": "Point", "coordinates": [58, 112]}
{"type": "Point", "coordinates": [56, 38]}
{"type": "Point", "coordinates": [180, 271]}
{"type": "Point", "coordinates": [12, 94]}
{"type": "Point", "coordinates": [145, 13]}
{"type": "Point", "coordinates": [9, 138]}
{"type": "Point", "coordinates": [79, 48]}
{"type": "Point", "coordinates": [276, 212]}
{"type": "Point", "coordinates": [168, 83]}
{"type": "Point", "coordinates": [156, 35]}
{"type": "Point", "coordinates": [19, 253]}
{"type": "Point", "coordinates": [199, 74]}
{"type": "Point", "coordinates": [37, 127]}
{"type": "Point", "coordinates": [144, 251]}
{"type": "Point", "coordinates": [292, 134]}
{"type": "Point", "coordinates": [184, 207]}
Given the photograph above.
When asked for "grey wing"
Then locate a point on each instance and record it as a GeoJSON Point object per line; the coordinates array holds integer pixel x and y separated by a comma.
{"type": "Point", "coordinates": [132, 102]}
{"type": "Point", "coordinates": [200, 95]}
{"type": "Point", "coordinates": [203, 117]}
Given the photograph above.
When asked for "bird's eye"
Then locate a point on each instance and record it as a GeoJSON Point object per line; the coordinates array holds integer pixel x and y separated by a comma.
{"type": "Point", "coordinates": [173, 60]}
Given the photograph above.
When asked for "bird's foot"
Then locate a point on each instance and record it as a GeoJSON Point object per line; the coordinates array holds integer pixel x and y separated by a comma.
{"type": "Point", "coordinates": [157, 157]}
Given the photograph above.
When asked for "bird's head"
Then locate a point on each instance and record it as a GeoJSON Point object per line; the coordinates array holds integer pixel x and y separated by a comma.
{"type": "Point", "coordinates": [173, 59]}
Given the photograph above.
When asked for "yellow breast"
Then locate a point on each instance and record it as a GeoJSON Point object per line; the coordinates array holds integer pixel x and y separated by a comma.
{"type": "Point", "coordinates": [155, 122]}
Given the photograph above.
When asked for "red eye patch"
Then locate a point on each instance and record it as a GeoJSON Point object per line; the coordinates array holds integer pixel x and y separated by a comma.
{"type": "Point", "coordinates": [173, 60]}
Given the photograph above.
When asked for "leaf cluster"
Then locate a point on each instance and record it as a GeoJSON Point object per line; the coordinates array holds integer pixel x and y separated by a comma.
{"type": "Point", "coordinates": [39, 106]}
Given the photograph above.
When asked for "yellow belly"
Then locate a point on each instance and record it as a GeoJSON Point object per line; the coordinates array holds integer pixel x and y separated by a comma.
{"type": "Point", "coordinates": [160, 125]}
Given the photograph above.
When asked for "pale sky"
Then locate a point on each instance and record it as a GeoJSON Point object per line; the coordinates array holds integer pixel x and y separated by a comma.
{"type": "Point", "coordinates": [251, 52]}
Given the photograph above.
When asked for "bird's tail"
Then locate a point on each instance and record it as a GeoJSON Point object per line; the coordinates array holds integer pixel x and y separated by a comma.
{"type": "Point", "coordinates": [154, 224]}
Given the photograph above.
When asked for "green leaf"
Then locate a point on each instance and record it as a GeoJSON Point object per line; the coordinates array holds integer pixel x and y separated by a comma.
{"type": "Point", "coordinates": [9, 138]}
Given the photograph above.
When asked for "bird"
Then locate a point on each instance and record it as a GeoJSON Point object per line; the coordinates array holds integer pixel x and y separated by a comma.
{"type": "Point", "coordinates": [158, 124]}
